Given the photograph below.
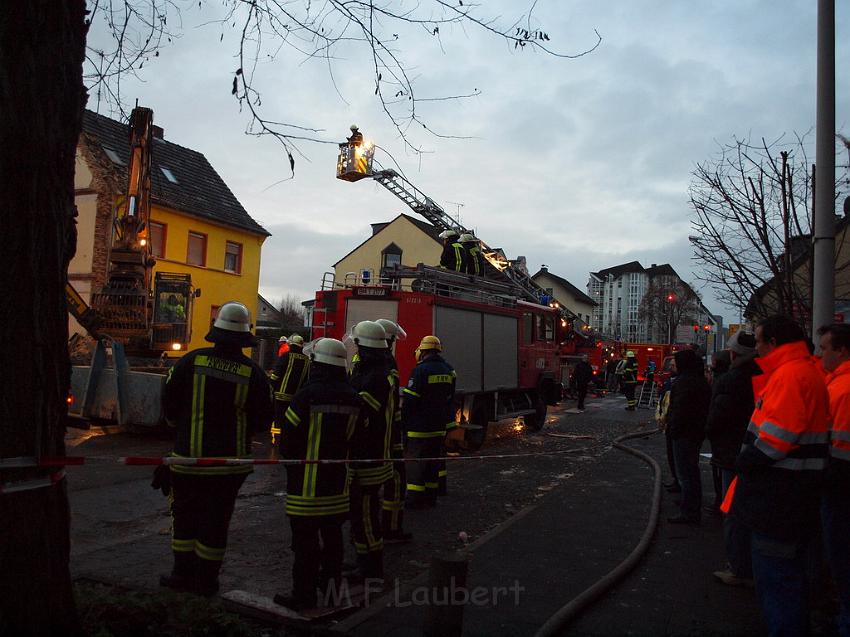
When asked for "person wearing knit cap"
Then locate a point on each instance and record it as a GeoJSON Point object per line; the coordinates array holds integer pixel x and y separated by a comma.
{"type": "Point", "coordinates": [728, 417]}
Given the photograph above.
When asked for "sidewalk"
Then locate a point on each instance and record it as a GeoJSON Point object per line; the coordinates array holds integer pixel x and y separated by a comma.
{"type": "Point", "coordinates": [548, 554]}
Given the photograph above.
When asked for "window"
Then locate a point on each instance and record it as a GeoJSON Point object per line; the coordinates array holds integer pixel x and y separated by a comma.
{"type": "Point", "coordinates": [197, 251]}
{"type": "Point", "coordinates": [526, 327]}
{"type": "Point", "coordinates": [233, 257]}
{"type": "Point", "coordinates": [158, 239]}
{"type": "Point", "coordinates": [545, 328]}
{"type": "Point", "coordinates": [168, 174]}
{"type": "Point", "coordinates": [391, 256]}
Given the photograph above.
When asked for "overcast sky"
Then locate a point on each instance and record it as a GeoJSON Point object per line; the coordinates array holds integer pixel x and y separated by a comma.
{"type": "Point", "coordinates": [580, 164]}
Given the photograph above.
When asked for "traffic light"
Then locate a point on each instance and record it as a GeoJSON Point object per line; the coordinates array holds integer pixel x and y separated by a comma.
{"type": "Point", "coordinates": [696, 329]}
{"type": "Point", "coordinates": [707, 328]}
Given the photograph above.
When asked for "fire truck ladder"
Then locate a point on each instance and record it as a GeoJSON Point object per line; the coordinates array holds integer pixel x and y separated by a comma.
{"type": "Point", "coordinates": [422, 204]}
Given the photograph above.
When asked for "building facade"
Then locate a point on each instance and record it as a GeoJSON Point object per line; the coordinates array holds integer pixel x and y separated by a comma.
{"type": "Point", "coordinates": [567, 295]}
{"type": "Point", "coordinates": [197, 226]}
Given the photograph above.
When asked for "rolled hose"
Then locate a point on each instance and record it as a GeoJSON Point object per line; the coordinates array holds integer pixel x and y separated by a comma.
{"type": "Point", "coordinates": [558, 622]}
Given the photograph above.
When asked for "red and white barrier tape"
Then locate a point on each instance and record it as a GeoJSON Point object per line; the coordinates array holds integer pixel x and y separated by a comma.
{"type": "Point", "coordinates": [219, 462]}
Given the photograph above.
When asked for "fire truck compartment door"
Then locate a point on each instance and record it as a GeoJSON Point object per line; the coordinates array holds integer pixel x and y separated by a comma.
{"type": "Point", "coordinates": [368, 310]}
{"type": "Point", "coordinates": [500, 363]}
{"type": "Point", "coordinates": [481, 347]}
{"type": "Point", "coordinates": [460, 332]}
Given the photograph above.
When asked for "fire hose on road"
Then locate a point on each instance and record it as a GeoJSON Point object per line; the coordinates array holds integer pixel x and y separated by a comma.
{"type": "Point", "coordinates": [558, 622]}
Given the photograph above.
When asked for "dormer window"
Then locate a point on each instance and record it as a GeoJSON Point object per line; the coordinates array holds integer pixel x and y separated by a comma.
{"type": "Point", "coordinates": [168, 174]}
{"type": "Point", "coordinates": [391, 256]}
{"type": "Point", "coordinates": [113, 156]}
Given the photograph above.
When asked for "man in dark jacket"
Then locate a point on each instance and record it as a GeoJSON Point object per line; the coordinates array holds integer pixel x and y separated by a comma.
{"type": "Point", "coordinates": [731, 407]}
{"type": "Point", "coordinates": [583, 375]}
{"type": "Point", "coordinates": [630, 374]}
{"type": "Point", "coordinates": [216, 397]}
{"type": "Point", "coordinates": [319, 423]}
{"type": "Point", "coordinates": [689, 399]}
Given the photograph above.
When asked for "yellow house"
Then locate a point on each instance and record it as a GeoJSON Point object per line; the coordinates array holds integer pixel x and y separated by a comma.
{"type": "Point", "coordinates": [402, 241]}
{"type": "Point", "coordinates": [567, 295]}
{"type": "Point", "coordinates": [198, 227]}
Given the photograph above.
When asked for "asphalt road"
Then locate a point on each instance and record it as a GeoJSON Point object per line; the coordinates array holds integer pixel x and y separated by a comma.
{"type": "Point", "coordinates": [121, 528]}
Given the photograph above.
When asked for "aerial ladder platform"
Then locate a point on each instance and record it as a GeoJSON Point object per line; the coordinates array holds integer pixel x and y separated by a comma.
{"type": "Point", "coordinates": [355, 162]}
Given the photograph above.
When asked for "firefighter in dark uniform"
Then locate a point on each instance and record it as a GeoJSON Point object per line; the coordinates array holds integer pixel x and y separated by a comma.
{"type": "Point", "coordinates": [288, 376]}
{"type": "Point", "coordinates": [474, 256]}
{"type": "Point", "coordinates": [217, 398]}
{"type": "Point", "coordinates": [374, 382]}
{"type": "Point", "coordinates": [396, 487]}
{"type": "Point", "coordinates": [454, 254]}
{"type": "Point", "coordinates": [318, 425]}
{"type": "Point", "coordinates": [426, 412]}
{"type": "Point", "coordinates": [630, 374]}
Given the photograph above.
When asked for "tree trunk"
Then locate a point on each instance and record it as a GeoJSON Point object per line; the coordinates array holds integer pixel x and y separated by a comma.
{"type": "Point", "coordinates": [42, 46]}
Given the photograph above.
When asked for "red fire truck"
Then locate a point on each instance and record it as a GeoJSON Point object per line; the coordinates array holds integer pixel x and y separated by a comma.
{"type": "Point", "coordinates": [499, 331]}
{"type": "Point", "coordinates": [503, 349]}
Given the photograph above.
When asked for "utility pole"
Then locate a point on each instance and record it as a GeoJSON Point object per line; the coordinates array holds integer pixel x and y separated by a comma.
{"type": "Point", "coordinates": [823, 285]}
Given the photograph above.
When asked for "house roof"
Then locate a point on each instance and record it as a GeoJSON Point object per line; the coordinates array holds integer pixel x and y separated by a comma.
{"type": "Point", "coordinates": [427, 228]}
{"type": "Point", "coordinates": [577, 293]}
{"type": "Point", "coordinates": [617, 270]}
{"type": "Point", "coordinates": [198, 191]}
{"type": "Point", "coordinates": [665, 269]}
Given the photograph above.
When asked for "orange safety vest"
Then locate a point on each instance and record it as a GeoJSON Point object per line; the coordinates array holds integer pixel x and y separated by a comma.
{"type": "Point", "coordinates": [790, 424]}
{"type": "Point", "coordinates": [838, 385]}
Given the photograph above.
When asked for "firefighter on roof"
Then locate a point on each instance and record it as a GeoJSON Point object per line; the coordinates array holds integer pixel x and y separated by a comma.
{"type": "Point", "coordinates": [474, 256]}
{"type": "Point", "coordinates": [396, 487]}
{"type": "Point", "coordinates": [216, 398]}
{"type": "Point", "coordinates": [319, 425]}
{"type": "Point", "coordinates": [374, 382]}
{"type": "Point", "coordinates": [288, 375]}
{"type": "Point", "coordinates": [426, 413]}
{"type": "Point", "coordinates": [454, 254]}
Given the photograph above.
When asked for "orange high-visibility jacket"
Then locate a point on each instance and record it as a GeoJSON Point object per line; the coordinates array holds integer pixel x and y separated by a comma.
{"type": "Point", "coordinates": [838, 385]}
{"type": "Point", "coordinates": [786, 447]}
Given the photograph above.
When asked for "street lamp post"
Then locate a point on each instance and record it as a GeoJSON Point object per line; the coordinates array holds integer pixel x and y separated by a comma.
{"type": "Point", "coordinates": [670, 299]}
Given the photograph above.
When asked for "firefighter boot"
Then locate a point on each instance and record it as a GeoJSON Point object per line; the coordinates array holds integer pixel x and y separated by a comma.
{"type": "Point", "coordinates": [182, 576]}
{"type": "Point", "coordinates": [206, 577]}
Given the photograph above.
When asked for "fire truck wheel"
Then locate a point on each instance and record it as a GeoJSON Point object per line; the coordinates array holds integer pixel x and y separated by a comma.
{"type": "Point", "coordinates": [475, 437]}
{"type": "Point", "coordinates": [536, 420]}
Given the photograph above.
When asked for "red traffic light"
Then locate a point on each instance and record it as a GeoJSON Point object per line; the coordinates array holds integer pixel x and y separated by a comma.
{"type": "Point", "coordinates": [670, 297]}
{"type": "Point", "coordinates": [696, 328]}
{"type": "Point", "coordinates": [707, 328]}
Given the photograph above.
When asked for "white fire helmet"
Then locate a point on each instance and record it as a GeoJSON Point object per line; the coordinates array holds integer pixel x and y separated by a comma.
{"type": "Point", "coordinates": [369, 334]}
{"type": "Point", "coordinates": [467, 238]}
{"type": "Point", "coordinates": [448, 234]}
{"type": "Point", "coordinates": [296, 339]}
{"type": "Point", "coordinates": [233, 316]}
{"type": "Point", "coordinates": [395, 332]}
{"type": "Point", "coordinates": [328, 351]}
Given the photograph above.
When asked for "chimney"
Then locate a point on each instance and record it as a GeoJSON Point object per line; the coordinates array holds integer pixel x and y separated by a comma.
{"type": "Point", "coordinates": [653, 265]}
{"type": "Point", "coordinates": [157, 132]}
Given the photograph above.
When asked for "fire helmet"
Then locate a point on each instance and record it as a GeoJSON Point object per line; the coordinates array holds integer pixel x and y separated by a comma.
{"type": "Point", "coordinates": [369, 334]}
{"type": "Point", "coordinates": [329, 351]}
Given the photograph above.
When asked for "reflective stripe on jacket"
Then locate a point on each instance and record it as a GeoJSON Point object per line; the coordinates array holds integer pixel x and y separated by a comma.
{"type": "Point", "coordinates": [289, 374]}
{"type": "Point", "coordinates": [216, 397]}
{"type": "Point", "coordinates": [318, 425]}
